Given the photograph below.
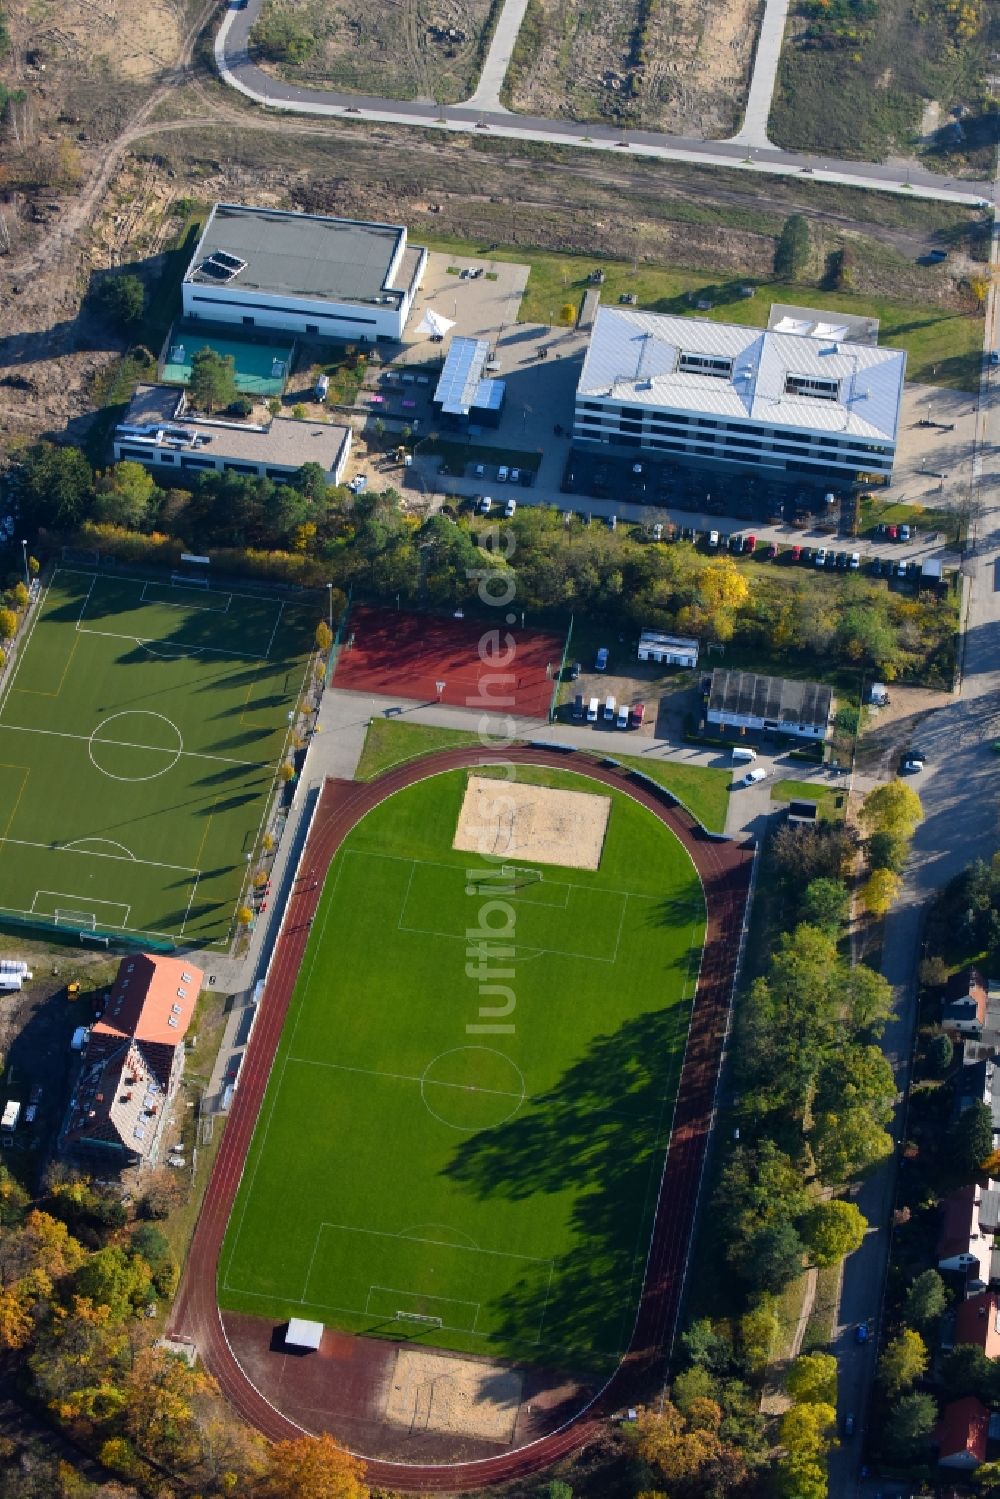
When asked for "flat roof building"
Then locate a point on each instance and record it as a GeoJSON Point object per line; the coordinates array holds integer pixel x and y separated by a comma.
{"type": "Point", "coordinates": [158, 433]}
{"type": "Point", "coordinates": [464, 392]}
{"type": "Point", "coordinates": [667, 650]}
{"type": "Point", "coordinates": [304, 273]}
{"type": "Point", "coordinates": [810, 403]}
{"type": "Point", "coordinates": [741, 700]}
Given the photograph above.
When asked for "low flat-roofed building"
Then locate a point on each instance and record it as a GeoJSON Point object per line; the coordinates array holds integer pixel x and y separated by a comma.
{"type": "Point", "coordinates": [818, 322]}
{"type": "Point", "coordinates": [464, 392]}
{"type": "Point", "coordinates": [158, 433]}
{"type": "Point", "coordinates": [667, 650]}
{"type": "Point", "coordinates": [303, 1334]}
{"type": "Point", "coordinates": [742, 700]}
{"type": "Point", "coordinates": [802, 403]}
{"type": "Point", "coordinates": [310, 274]}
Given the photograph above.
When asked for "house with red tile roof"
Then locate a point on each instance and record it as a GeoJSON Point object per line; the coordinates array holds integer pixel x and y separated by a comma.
{"type": "Point", "coordinates": [962, 1434]}
{"type": "Point", "coordinates": [133, 1061]}
{"type": "Point", "coordinates": [978, 1321]}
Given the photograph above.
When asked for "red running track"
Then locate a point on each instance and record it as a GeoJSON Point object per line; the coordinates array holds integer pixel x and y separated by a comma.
{"type": "Point", "coordinates": [724, 868]}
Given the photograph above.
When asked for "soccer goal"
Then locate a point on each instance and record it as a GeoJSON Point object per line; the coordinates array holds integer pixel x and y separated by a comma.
{"type": "Point", "coordinates": [189, 580]}
{"type": "Point", "coordinates": [85, 920]}
{"type": "Point", "coordinates": [419, 1318]}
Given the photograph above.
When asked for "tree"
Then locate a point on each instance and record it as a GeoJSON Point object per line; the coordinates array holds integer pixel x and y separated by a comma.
{"type": "Point", "coordinates": [903, 1362]}
{"type": "Point", "coordinates": [813, 1378]}
{"type": "Point", "coordinates": [245, 918]}
{"type": "Point", "coordinates": [832, 1231]}
{"type": "Point", "coordinates": [934, 972]}
{"type": "Point", "coordinates": [792, 253]}
{"type": "Point", "coordinates": [774, 1257]}
{"type": "Point", "coordinates": [56, 486]}
{"type": "Point", "coordinates": [112, 1278]}
{"type": "Point", "coordinates": [867, 998]}
{"type": "Point", "coordinates": [847, 1143]}
{"type": "Point", "coordinates": [966, 1370]}
{"type": "Point", "coordinates": [126, 496]}
{"type": "Point", "coordinates": [213, 380]}
{"type": "Point", "coordinates": [8, 624]}
{"type": "Point", "coordinates": [825, 904]}
{"type": "Point", "coordinates": [567, 315]}
{"type": "Point", "coordinates": [558, 1490]}
{"type": "Point", "coordinates": [696, 1383]}
{"type": "Point", "coordinates": [156, 1251]}
{"type": "Point", "coordinates": [880, 892]}
{"type": "Point", "coordinates": [311, 1468]}
{"type": "Point", "coordinates": [123, 298]}
{"type": "Point", "coordinates": [806, 1434]}
{"type": "Point", "coordinates": [705, 1347]}
{"type": "Point", "coordinates": [907, 1431]}
{"type": "Point", "coordinates": [286, 772]}
{"type": "Point", "coordinates": [676, 1449]}
{"type": "Point", "coordinates": [925, 1302]}
{"type": "Point", "coordinates": [324, 637]}
{"type": "Point", "coordinates": [758, 1333]}
{"type": "Point", "coordinates": [887, 851]}
{"type": "Point", "coordinates": [892, 808]}
{"type": "Point", "coordinates": [20, 595]}
{"type": "Point", "coordinates": [940, 1053]}
{"type": "Point", "coordinates": [970, 1139]}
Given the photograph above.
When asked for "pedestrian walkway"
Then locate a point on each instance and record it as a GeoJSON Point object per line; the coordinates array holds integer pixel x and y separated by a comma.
{"type": "Point", "coordinates": [764, 76]}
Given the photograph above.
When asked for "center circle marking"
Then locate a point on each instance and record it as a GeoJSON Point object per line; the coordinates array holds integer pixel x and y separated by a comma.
{"type": "Point", "coordinates": [134, 742]}
{"type": "Point", "coordinates": [508, 1099]}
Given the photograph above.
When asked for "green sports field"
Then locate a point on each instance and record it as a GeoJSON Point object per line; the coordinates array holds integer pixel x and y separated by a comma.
{"type": "Point", "coordinates": [488, 1191]}
{"type": "Point", "coordinates": [139, 739]}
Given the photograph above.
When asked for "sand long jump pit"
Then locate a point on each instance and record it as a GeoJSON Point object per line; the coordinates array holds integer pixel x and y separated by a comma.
{"type": "Point", "coordinates": [464, 1397]}
{"type": "Point", "coordinates": [513, 820]}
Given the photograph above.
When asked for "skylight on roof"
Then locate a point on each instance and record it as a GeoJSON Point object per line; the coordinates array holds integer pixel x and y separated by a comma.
{"type": "Point", "coordinates": [716, 365]}
{"type": "Point", "coordinates": [819, 387]}
{"type": "Point", "coordinates": [172, 1020]}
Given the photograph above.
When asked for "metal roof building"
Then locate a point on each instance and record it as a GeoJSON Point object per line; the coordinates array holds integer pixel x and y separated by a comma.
{"type": "Point", "coordinates": [303, 273]}
{"type": "Point", "coordinates": [806, 402]}
{"type": "Point", "coordinates": [742, 700]}
{"type": "Point", "coordinates": [463, 392]}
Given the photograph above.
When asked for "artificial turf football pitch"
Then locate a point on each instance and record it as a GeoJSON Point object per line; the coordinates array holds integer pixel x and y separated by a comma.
{"type": "Point", "coordinates": [140, 735]}
{"type": "Point", "coordinates": [488, 1192]}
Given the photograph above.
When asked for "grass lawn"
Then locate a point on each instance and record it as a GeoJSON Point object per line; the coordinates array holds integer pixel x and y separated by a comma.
{"type": "Point", "coordinates": [140, 735]}
{"type": "Point", "coordinates": [829, 801]}
{"type": "Point", "coordinates": [498, 1176]}
{"type": "Point", "coordinates": [391, 741]}
{"type": "Point", "coordinates": [704, 791]}
{"type": "Point", "coordinates": [932, 336]}
{"type": "Point", "coordinates": [875, 511]}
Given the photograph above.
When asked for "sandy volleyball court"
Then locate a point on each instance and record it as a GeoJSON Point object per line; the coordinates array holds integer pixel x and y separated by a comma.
{"type": "Point", "coordinates": [511, 820]}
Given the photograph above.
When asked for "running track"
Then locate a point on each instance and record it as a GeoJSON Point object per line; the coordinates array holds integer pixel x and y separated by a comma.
{"type": "Point", "coordinates": [725, 869]}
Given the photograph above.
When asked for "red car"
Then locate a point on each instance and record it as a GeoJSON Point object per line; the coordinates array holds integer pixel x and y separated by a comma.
{"type": "Point", "coordinates": [751, 543]}
{"type": "Point", "coordinates": [892, 532]}
{"type": "Point", "coordinates": [796, 554]}
{"type": "Point", "coordinates": [637, 715]}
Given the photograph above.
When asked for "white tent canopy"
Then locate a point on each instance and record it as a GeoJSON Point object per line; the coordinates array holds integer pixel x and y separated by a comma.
{"type": "Point", "coordinates": [303, 1334]}
{"type": "Point", "coordinates": [433, 324]}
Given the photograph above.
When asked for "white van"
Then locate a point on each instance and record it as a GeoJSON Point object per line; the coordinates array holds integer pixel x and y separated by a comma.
{"type": "Point", "coordinates": [609, 709]}
{"type": "Point", "coordinates": [593, 708]}
{"type": "Point", "coordinates": [744, 756]}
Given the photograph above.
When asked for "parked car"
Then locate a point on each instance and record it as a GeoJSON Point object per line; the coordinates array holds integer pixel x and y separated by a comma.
{"type": "Point", "coordinates": [574, 671]}
{"type": "Point", "coordinates": [623, 716]}
{"type": "Point", "coordinates": [849, 1424]}
{"type": "Point", "coordinates": [359, 483]}
{"type": "Point", "coordinates": [891, 532]}
{"type": "Point", "coordinates": [904, 533]}
{"type": "Point", "coordinates": [638, 714]}
{"type": "Point", "coordinates": [753, 776]}
{"type": "Point", "coordinates": [713, 538]}
{"type": "Point", "coordinates": [502, 473]}
{"type": "Point", "coordinates": [842, 560]}
{"type": "Point", "coordinates": [658, 531]}
{"type": "Point", "coordinates": [861, 1333]}
{"type": "Point", "coordinates": [900, 569]}
{"type": "Point", "coordinates": [855, 562]}
{"type": "Point", "coordinates": [578, 707]}
{"type": "Point", "coordinates": [484, 504]}
{"type": "Point", "coordinates": [831, 561]}
{"type": "Point", "coordinates": [612, 523]}
{"type": "Point", "coordinates": [480, 470]}
{"type": "Point", "coordinates": [509, 508]}
{"type": "Point", "coordinates": [820, 556]}
{"type": "Point", "coordinates": [876, 567]}
{"type": "Point", "coordinates": [913, 762]}
{"type": "Point", "coordinates": [736, 543]}
{"type": "Point", "coordinates": [751, 543]}
{"type": "Point", "coordinates": [515, 476]}
{"type": "Point", "coordinates": [601, 664]}
{"type": "Point", "coordinates": [795, 555]}
{"type": "Point", "coordinates": [772, 552]}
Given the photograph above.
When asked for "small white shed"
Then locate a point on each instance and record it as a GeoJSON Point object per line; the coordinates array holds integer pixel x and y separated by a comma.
{"type": "Point", "coordinates": [303, 1334]}
{"type": "Point", "coordinates": [667, 650]}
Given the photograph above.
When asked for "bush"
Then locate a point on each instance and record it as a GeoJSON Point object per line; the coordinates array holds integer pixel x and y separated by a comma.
{"type": "Point", "coordinates": [940, 1054]}
{"type": "Point", "coordinates": [791, 257]}
{"type": "Point", "coordinates": [280, 36]}
{"type": "Point", "coordinates": [240, 407]}
{"type": "Point", "coordinates": [123, 298]}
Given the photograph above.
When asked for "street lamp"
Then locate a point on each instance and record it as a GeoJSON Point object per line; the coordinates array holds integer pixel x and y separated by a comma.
{"type": "Point", "coordinates": [329, 596]}
{"type": "Point", "coordinates": [27, 577]}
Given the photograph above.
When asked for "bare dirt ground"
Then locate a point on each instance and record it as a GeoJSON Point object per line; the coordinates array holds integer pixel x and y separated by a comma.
{"type": "Point", "coordinates": [891, 730]}
{"type": "Point", "coordinates": [693, 77]}
{"type": "Point", "coordinates": [401, 49]}
{"type": "Point", "coordinates": [433, 1392]}
{"type": "Point", "coordinates": [538, 823]}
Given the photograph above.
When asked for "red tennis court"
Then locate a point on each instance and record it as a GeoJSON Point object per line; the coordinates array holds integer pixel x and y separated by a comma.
{"type": "Point", "coordinates": [408, 655]}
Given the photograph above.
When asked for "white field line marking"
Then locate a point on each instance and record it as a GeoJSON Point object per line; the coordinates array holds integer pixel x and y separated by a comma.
{"type": "Point", "coordinates": [153, 749]}
{"type": "Point", "coordinates": [277, 622]}
{"type": "Point", "coordinates": [404, 1077]}
{"type": "Point", "coordinates": [86, 572]}
{"type": "Point", "coordinates": [424, 1296]}
{"type": "Point", "coordinates": [84, 904]}
{"type": "Point", "coordinates": [329, 1306]}
{"type": "Point", "coordinates": [89, 853]}
{"type": "Point", "coordinates": [179, 651]}
{"type": "Point", "coordinates": [94, 838]}
{"type": "Point", "coordinates": [23, 649]}
{"type": "Point", "coordinates": [187, 908]}
{"type": "Point", "coordinates": [262, 1151]}
{"type": "Point", "coordinates": [172, 604]}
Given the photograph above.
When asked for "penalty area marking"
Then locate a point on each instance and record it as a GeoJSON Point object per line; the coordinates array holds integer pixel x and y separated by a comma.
{"type": "Point", "coordinates": [80, 903]}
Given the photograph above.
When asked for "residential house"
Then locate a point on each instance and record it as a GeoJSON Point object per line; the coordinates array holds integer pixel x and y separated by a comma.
{"type": "Point", "coordinates": [962, 1434]}
{"type": "Point", "coordinates": [133, 1062]}
{"type": "Point", "coordinates": [965, 1004]}
{"type": "Point", "coordinates": [977, 1321]}
{"type": "Point", "coordinates": [967, 1241]}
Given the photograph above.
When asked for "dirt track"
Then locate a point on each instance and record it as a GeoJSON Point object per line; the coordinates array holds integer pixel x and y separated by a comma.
{"type": "Point", "coordinates": [724, 869]}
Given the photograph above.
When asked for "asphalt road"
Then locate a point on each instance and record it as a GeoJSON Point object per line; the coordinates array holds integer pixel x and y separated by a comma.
{"type": "Point", "coordinates": [959, 790]}
{"type": "Point", "coordinates": [236, 68]}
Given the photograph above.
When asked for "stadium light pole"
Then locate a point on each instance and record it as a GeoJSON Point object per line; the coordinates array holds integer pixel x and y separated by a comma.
{"type": "Point", "coordinates": [329, 596]}
{"type": "Point", "coordinates": [24, 550]}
